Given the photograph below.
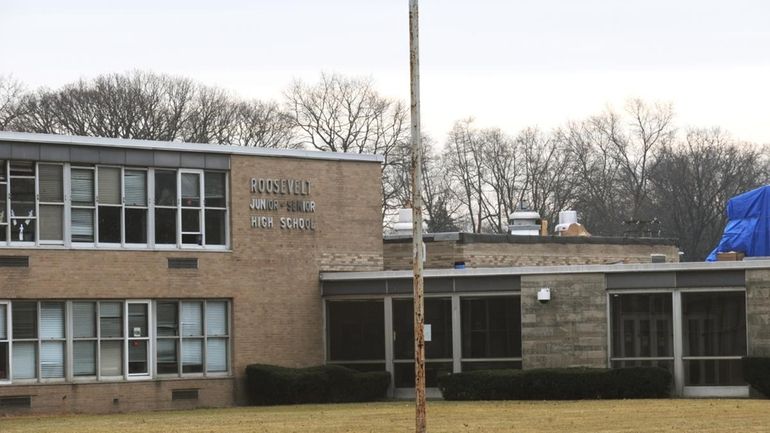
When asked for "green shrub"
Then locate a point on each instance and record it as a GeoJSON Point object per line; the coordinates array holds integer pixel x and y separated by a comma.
{"type": "Point", "coordinates": [756, 372]}
{"type": "Point", "coordinates": [557, 384]}
{"type": "Point", "coordinates": [270, 384]}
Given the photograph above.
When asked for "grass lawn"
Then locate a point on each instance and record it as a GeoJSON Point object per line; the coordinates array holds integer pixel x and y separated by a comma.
{"type": "Point", "coordinates": [582, 416]}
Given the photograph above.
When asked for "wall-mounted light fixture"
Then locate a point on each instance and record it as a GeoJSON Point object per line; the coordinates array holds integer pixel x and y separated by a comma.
{"type": "Point", "coordinates": [544, 295]}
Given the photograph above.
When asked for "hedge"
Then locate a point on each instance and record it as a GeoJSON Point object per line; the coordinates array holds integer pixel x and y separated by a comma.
{"type": "Point", "coordinates": [270, 384]}
{"type": "Point", "coordinates": [557, 384]}
{"type": "Point", "coordinates": [756, 372]}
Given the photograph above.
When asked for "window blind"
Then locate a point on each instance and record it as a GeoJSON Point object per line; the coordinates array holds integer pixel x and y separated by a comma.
{"type": "Point", "coordinates": [52, 359]}
{"type": "Point", "coordinates": [24, 361]}
{"type": "Point", "coordinates": [24, 320]}
{"type": "Point", "coordinates": [192, 352]}
{"type": "Point", "coordinates": [82, 225]}
{"type": "Point", "coordinates": [51, 222]}
{"type": "Point", "coordinates": [216, 318]}
{"type": "Point", "coordinates": [136, 188]}
{"type": "Point", "coordinates": [167, 319]}
{"type": "Point", "coordinates": [216, 354]}
{"type": "Point", "coordinates": [109, 185]}
{"type": "Point", "coordinates": [83, 319]}
{"type": "Point", "coordinates": [192, 322]}
{"type": "Point", "coordinates": [3, 321]}
{"type": "Point", "coordinates": [84, 358]}
{"type": "Point", "coordinates": [51, 320]}
{"type": "Point", "coordinates": [110, 319]}
{"type": "Point", "coordinates": [82, 187]}
{"type": "Point", "coordinates": [111, 359]}
{"type": "Point", "coordinates": [50, 183]}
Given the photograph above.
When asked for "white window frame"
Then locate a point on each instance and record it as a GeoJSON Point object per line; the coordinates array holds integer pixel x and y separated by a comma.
{"type": "Point", "coordinates": [226, 210]}
{"type": "Point", "coordinates": [62, 204]}
{"type": "Point", "coordinates": [93, 208]}
{"type": "Point", "coordinates": [200, 208]}
{"type": "Point", "coordinates": [34, 178]}
{"type": "Point", "coordinates": [148, 222]}
{"type": "Point", "coordinates": [129, 338]}
{"type": "Point", "coordinates": [7, 340]}
{"type": "Point", "coordinates": [99, 204]}
{"type": "Point", "coordinates": [6, 226]}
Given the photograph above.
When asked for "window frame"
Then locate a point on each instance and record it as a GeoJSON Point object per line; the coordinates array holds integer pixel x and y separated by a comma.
{"type": "Point", "coordinates": [7, 340]}
{"type": "Point", "coordinates": [62, 204]}
{"type": "Point", "coordinates": [10, 218]}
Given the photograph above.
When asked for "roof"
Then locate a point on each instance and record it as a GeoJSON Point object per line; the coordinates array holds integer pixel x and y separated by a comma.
{"type": "Point", "coordinates": [542, 270]}
{"type": "Point", "coordinates": [35, 138]}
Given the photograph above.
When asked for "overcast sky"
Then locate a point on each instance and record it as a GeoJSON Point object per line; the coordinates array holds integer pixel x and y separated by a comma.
{"type": "Point", "coordinates": [509, 64]}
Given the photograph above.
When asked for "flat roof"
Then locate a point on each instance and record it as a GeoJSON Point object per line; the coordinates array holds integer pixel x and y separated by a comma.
{"type": "Point", "coordinates": [28, 137]}
{"type": "Point", "coordinates": [540, 270]}
{"type": "Point", "coordinates": [497, 238]}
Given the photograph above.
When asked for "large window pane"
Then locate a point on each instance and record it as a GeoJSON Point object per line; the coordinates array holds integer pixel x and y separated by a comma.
{"type": "Point", "coordinates": [191, 190]}
{"type": "Point", "coordinates": [192, 355]}
{"type": "Point", "coordinates": [111, 355]}
{"type": "Point", "coordinates": [4, 360]}
{"type": "Point", "coordinates": [215, 227]}
{"type": "Point", "coordinates": [137, 356]}
{"type": "Point", "coordinates": [215, 189]}
{"type": "Point", "coordinates": [192, 319]}
{"type": "Point", "coordinates": [22, 198]}
{"type": "Point", "coordinates": [82, 187]}
{"type": "Point", "coordinates": [438, 315]}
{"type": "Point", "coordinates": [22, 168]}
{"type": "Point", "coordinates": [3, 321]}
{"type": "Point", "coordinates": [167, 319]}
{"type": "Point", "coordinates": [51, 320]}
{"type": "Point", "coordinates": [51, 222]}
{"type": "Point", "coordinates": [165, 226]}
{"type": "Point", "coordinates": [216, 318]}
{"type": "Point", "coordinates": [642, 325]}
{"type": "Point", "coordinates": [24, 360]}
{"type": "Point", "coordinates": [136, 226]}
{"type": "Point", "coordinates": [137, 320]}
{"type": "Point", "coordinates": [109, 224]}
{"type": "Point", "coordinates": [356, 330]}
{"type": "Point", "coordinates": [52, 359]}
{"type": "Point", "coordinates": [84, 319]}
{"type": "Point", "coordinates": [84, 358]}
{"type": "Point", "coordinates": [109, 185]}
{"type": "Point", "coordinates": [111, 319]}
{"type": "Point", "coordinates": [82, 225]}
{"type": "Point", "coordinates": [491, 327]}
{"type": "Point", "coordinates": [24, 320]}
{"type": "Point", "coordinates": [165, 188]}
{"type": "Point", "coordinates": [714, 324]}
{"type": "Point", "coordinates": [167, 356]}
{"type": "Point", "coordinates": [51, 183]}
{"type": "Point", "coordinates": [136, 187]}
{"type": "Point", "coordinates": [216, 355]}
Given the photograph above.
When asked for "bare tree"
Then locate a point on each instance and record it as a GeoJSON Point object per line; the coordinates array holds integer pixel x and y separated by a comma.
{"type": "Point", "coordinates": [693, 181]}
{"type": "Point", "coordinates": [11, 95]}
{"type": "Point", "coordinates": [342, 114]}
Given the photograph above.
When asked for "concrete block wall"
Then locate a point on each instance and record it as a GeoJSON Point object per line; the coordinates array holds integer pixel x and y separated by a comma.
{"type": "Point", "coordinates": [571, 329]}
{"type": "Point", "coordinates": [758, 311]}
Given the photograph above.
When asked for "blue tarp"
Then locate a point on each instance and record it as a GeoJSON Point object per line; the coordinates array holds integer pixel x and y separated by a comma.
{"type": "Point", "coordinates": [748, 225]}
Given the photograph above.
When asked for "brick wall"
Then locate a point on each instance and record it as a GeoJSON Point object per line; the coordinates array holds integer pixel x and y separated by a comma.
{"type": "Point", "coordinates": [571, 329]}
{"type": "Point", "coordinates": [443, 254]}
{"type": "Point", "coordinates": [271, 275]}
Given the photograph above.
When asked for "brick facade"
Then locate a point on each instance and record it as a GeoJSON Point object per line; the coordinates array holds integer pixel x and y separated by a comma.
{"type": "Point", "coordinates": [270, 276]}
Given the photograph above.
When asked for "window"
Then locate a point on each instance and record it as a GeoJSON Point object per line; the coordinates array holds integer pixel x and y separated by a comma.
{"type": "Point", "coordinates": [82, 198]}
{"type": "Point", "coordinates": [135, 211]}
{"type": "Point", "coordinates": [37, 328]}
{"type": "Point", "coordinates": [23, 220]}
{"type": "Point", "coordinates": [642, 330]}
{"type": "Point", "coordinates": [111, 340]}
{"type": "Point", "coordinates": [4, 344]}
{"type": "Point", "coordinates": [112, 207]}
{"type": "Point", "coordinates": [165, 207]}
{"type": "Point", "coordinates": [110, 204]}
{"type": "Point", "coordinates": [438, 351]}
{"type": "Point", "coordinates": [216, 208]}
{"type": "Point", "coordinates": [191, 208]}
{"type": "Point", "coordinates": [491, 332]}
{"type": "Point", "coordinates": [3, 201]}
{"type": "Point", "coordinates": [51, 187]}
{"type": "Point", "coordinates": [357, 333]}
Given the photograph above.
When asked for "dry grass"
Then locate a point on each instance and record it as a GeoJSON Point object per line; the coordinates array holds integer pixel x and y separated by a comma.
{"type": "Point", "coordinates": [584, 416]}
